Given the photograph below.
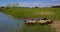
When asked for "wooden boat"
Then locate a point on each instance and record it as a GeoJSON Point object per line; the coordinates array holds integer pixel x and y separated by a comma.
{"type": "Point", "coordinates": [37, 20]}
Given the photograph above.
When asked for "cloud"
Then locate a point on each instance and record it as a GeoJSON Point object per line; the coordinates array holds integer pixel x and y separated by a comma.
{"type": "Point", "coordinates": [32, 3]}
{"type": "Point", "coordinates": [40, 4]}
{"type": "Point", "coordinates": [27, 4]}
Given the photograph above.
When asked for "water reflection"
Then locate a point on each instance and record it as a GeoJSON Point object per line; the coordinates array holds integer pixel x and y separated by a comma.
{"type": "Point", "coordinates": [9, 24]}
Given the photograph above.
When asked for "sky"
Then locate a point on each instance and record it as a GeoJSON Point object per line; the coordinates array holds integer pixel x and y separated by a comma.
{"type": "Point", "coordinates": [31, 3]}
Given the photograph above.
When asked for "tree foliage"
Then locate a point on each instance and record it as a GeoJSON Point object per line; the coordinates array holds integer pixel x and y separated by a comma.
{"type": "Point", "coordinates": [55, 7]}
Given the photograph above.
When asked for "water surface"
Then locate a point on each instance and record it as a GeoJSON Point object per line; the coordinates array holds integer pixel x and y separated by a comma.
{"type": "Point", "coordinates": [8, 23]}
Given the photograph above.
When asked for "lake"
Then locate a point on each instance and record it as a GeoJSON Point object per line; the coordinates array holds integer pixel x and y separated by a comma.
{"type": "Point", "coordinates": [9, 24]}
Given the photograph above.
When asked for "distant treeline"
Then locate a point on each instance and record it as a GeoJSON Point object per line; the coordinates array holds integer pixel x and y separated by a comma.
{"type": "Point", "coordinates": [18, 7]}
{"type": "Point", "coordinates": [7, 7]}
{"type": "Point", "coordinates": [55, 7]}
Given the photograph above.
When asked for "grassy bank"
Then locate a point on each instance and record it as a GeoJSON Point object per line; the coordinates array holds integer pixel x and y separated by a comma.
{"type": "Point", "coordinates": [51, 13]}
{"type": "Point", "coordinates": [33, 12]}
{"type": "Point", "coordinates": [38, 28]}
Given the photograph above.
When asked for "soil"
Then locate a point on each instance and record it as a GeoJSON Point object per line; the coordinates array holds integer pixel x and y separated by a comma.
{"type": "Point", "coordinates": [47, 13]}
{"type": "Point", "coordinates": [56, 26]}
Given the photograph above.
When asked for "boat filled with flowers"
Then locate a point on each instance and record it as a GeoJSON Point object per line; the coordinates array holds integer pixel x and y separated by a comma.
{"type": "Point", "coordinates": [37, 20]}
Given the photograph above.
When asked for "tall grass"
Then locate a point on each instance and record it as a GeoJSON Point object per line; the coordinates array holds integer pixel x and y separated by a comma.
{"type": "Point", "coordinates": [37, 28]}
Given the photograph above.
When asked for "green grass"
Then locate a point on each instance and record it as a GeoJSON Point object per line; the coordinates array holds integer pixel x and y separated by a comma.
{"type": "Point", "coordinates": [30, 12]}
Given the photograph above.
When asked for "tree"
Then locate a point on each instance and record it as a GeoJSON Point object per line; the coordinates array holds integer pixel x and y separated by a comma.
{"type": "Point", "coordinates": [55, 7]}
{"type": "Point", "coordinates": [15, 5]}
{"type": "Point", "coordinates": [12, 5]}
{"type": "Point", "coordinates": [36, 7]}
